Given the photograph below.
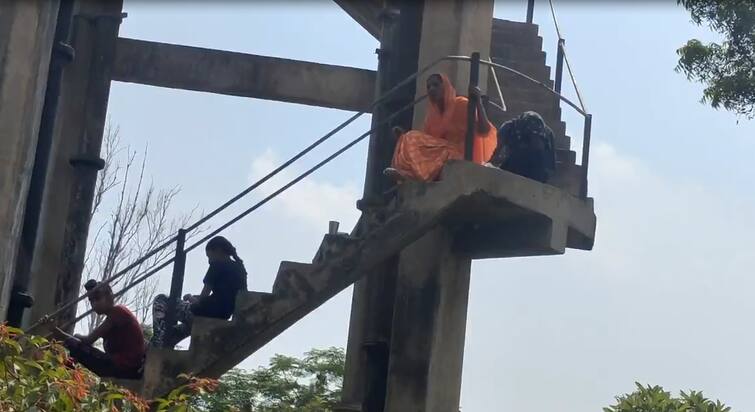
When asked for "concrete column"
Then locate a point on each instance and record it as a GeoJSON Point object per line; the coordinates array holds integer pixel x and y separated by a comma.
{"type": "Point", "coordinates": [453, 27]}
{"type": "Point", "coordinates": [369, 340]}
{"type": "Point", "coordinates": [372, 303]}
{"type": "Point", "coordinates": [27, 28]}
{"type": "Point", "coordinates": [74, 159]}
{"type": "Point", "coordinates": [429, 326]}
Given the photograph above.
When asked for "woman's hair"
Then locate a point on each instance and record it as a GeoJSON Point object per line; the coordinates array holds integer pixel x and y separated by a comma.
{"type": "Point", "coordinates": [98, 289]}
{"type": "Point", "coordinates": [223, 245]}
{"type": "Point", "coordinates": [435, 75]}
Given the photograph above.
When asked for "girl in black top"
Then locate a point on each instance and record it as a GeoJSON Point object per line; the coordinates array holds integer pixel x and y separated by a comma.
{"type": "Point", "coordinates": [225, 277]}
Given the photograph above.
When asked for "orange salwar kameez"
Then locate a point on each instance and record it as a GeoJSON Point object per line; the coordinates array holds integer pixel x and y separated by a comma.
{"type": "Point", "coordinates": [421, 155]}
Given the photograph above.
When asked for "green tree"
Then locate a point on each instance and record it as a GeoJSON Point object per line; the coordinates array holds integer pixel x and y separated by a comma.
{"type": "Point", "coordinates": [655, 399]}
{"type": "Point", "coordinates": [728, 68]}
{"type": "Point", "coordinates": [37, 375]}
{"type": "Point", "coordinates": [309, 384]}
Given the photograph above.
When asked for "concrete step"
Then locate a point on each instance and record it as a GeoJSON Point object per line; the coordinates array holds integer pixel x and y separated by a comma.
{"type": "Point", "coordinates": [291, 278]}
{"type": "Point", "coordinates": [332, 245]}
{"type": "Point", "coordinates": [551, 115]}
{"type": "Point", "coordinates": [529, 91]}
{"type": "Point", "coordinates": [566, 156]}
{"type": "Point", "coordinates": [245, 300]}
{"type": "Point", "coordinates": [508, 26]}
{"type": "Point", "coordinates": [568, 177]}
{"type": "Point", "coordinates": [511, 80]}
{"type": "Point", "coordinates": [518, 39]}
{"type": "Point", "coordinates": [509, 52]}
{"type": "Point", "coordinates": [537, 71]}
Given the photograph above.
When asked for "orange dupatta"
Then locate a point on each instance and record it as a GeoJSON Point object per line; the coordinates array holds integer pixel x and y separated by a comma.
{"type": "Point", "coordinates": [451, 124]}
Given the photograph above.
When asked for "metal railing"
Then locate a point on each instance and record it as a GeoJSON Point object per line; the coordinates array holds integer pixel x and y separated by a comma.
{"type": "Point", "coordinates": [180, 252]}
{"type": "Point", "coordinates": [561, 59]}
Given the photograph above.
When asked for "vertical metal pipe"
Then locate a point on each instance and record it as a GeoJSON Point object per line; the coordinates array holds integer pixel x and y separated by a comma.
{"type": "Point", "coordinates": [474, 80]}
{"type": "Point", "coordinates": [61, 54]}
{"type": "Point", "coordinates": [177, 281]}
{"type": "Point", "coordinates": [586, 153]}
{"type": "Point", "coordinates": [559, 65]}
{"type": "Point", "coordinates": [530, 10]}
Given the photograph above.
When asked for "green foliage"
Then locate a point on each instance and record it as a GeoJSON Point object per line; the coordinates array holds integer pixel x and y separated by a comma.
{"type": "Point", "coordinates": [655, 399]}
{"type": "Point", "coordinates": [309, 384]}
{"type": "Point", "coordinates": [37, 375]}
{"type": "Point", "coordinates": [727, 69]}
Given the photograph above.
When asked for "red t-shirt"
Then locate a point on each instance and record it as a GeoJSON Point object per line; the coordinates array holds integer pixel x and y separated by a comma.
{"type": "Point", "coordinates": [125, 339]}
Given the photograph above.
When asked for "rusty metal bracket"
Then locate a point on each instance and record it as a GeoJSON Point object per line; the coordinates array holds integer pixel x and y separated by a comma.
{"type": "Point", "coordinates": [64, 52]}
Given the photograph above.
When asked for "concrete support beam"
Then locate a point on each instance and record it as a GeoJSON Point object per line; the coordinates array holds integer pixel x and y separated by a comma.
{"type": "Point", "coordinates": [246, 75]}
{"type": "Point", "coordinates": [366, 13]}
{"type": "Point", "coordinates": [27, 28]}
{"type": "Point", "coordinates": [454, 27]}
{"type": "Point", "coordinates": [72, 170]}
{"type": "Point", "coordinates": [429, 324]}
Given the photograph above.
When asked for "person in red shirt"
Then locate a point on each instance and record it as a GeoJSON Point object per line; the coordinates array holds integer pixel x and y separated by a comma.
{"type": "Point", "coordinates": [121, 333]}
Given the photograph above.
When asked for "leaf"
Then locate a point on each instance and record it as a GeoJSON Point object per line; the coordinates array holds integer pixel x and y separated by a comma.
{"type": "Point", "coordinates": [114, 396]}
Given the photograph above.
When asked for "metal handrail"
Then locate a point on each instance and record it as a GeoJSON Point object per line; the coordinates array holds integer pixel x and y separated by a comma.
{"type": "Point", "coordinates": [562, 51]}
{"type": "Point", "coordinates": [257, 205]}
{"type": "Point", "coordinates": [524, 76]}
{"type": "Point", "coordinates": [498, 89]}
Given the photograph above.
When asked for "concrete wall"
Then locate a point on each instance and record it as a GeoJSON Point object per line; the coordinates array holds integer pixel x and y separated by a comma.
{"type": "Point", "coordinates": [27, 28]}
{"type": "Point", "coordinates": [66, 205]}
{"type": "Point", "coordinates": [453, 27]}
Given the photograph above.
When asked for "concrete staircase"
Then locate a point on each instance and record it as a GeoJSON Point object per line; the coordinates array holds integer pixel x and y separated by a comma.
{"type": "Point", "coordinates": [518, 46]}
{"type": "Point", "coordinates": [492, 213]}
{"type": "Point", "coordinates": [476, 203]}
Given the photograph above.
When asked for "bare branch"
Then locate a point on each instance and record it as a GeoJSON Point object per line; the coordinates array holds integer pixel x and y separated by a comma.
{"type": "Point", "coordinates": [132, 217]}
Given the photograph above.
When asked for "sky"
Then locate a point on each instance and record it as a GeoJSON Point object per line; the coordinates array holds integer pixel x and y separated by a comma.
{"type": "Point", "coordinates": [664, 298]}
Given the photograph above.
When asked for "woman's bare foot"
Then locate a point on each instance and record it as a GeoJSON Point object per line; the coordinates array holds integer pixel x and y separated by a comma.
{"type": "Point", "coordinates": [394, 174]}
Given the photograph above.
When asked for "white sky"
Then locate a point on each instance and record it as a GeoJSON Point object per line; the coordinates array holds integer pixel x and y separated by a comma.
{"type": "Point", "coordinates": [665, 297]}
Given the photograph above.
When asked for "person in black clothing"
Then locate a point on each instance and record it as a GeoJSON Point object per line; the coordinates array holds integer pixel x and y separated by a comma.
{"type": "Point", "coordinates": [225, 277]}
{"type": "Point", "coordinates": [526, 147]}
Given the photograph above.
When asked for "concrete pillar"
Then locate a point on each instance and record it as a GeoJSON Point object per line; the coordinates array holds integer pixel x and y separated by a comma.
{"type": "Point", "coordinates": [453, 27]}
{"type": "Point", "coordinates": [74, 159]}
{"type": "Point", "coordinates": [432, 290]}
{"type": "Point", "coordinates": [369, 340]}
{"type": "Point", "coordinates": [372, 303]}
{"type": "Point", "coordinates": [27, 28]}
{"type": "Point", "coordinates": [429, 325]}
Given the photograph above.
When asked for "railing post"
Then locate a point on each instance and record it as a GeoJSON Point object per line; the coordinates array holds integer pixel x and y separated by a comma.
{"type": "Point", "coordinates": [559, 65]}
{"type": "Point", "coordinates": [530, 10]}
{"type": "Point", "coordinates": [586, 154]}
{"type": "Point", "coordinates": [176, 284]}
{"type": "Point", "coordinates": [474, 80]}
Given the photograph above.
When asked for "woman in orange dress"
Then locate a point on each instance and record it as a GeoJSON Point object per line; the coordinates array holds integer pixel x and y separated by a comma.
{"type": "Point", "coordinates": [420, 155]}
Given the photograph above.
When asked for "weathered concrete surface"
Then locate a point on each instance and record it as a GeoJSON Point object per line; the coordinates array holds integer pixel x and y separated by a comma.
{"type": "Point", "coordinates": [453, 27]}
{"type": "Point", "coordinates": [372, 300]}
{"type": "Point", "coordinates": [246, 75]}
{"type": "Point", "coordinates": [366, 13]}
{"type": "Point", "coordinates": [27, 28]}
{"type": "Point", "coordinates": [429, 323]}
{"type": "Point", "coordinates": [67, 201]}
